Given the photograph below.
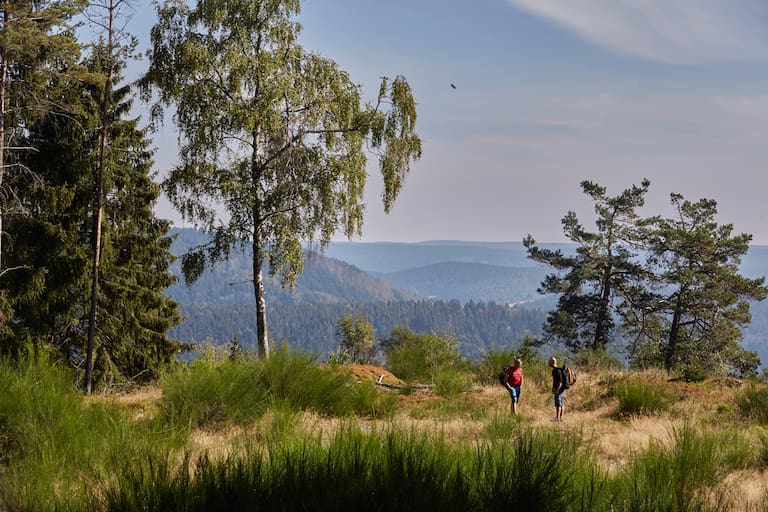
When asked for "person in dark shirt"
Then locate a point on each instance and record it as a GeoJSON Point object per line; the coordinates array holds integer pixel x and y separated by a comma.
{"type": "Point", "coordinates": [558, 387]}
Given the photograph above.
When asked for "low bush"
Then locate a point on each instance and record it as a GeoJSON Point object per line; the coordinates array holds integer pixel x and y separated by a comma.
{"type": "Point", "coordinates": [376, 471]}
{"type": "Point", "coordinates": [450, 382]}
{"type": "Point", "coordinates": [678, 476]}
{"type": "Point", "coordinates": [214, 389]}
{"type": "Point", "coordinates": [637, 396]}
{"type": "Point", "coordinates": [752, 403]}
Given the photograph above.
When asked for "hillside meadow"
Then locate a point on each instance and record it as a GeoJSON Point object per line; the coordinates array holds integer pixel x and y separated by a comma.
{"type": "Point", "coordinates": [290, 434]}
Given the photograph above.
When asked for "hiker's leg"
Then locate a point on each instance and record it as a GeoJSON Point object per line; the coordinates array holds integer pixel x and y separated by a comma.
{"type": "Point", "coordinates": [559, 406]}
{"type": "Point", "coordinates": [515, 399]}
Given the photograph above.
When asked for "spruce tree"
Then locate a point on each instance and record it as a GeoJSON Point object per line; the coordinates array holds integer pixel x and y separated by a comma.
{"type": "Point", "coordinates": [54, 288]}
{"type": "Point", "coordinates": [36, 45]}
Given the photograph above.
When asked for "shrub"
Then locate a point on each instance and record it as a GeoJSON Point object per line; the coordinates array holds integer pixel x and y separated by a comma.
{"type": "Point", "coordinates": [214, 390]}
{"type": "Point", "coordinates": [211, 390]}
{"type": "Point", "coordinates": [420, 356]}
{"type": "Point", "coordinates": [752, 403]}
{"type": "Point", "coordinates": [450, 382]}
{"type": "Point", "coordinates": [692, 373]}
{"type": "Point", "coordinates": [641, 397]}
{"type": "Point", "coordinates": [535, 368]}
{"type": "Point", "coordinates": [492, 362]}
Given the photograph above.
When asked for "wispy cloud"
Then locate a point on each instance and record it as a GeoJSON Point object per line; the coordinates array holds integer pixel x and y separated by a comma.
{"type": "Point", "coordinates": [675, 31]}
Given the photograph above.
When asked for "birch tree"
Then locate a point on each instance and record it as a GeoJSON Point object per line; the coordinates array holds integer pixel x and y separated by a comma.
{"type": "Point", "coordinates": [273, 138]}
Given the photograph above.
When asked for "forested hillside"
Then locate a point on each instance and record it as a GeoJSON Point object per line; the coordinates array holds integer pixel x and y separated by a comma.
{"type": "Point", "coordinates": [323, 280]}
{"type": "Point", "coordinates": [477, 326]}
{"type": "Point", "coordinates": [220, 304]}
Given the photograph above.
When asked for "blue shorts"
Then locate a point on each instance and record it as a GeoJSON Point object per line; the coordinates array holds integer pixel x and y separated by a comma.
{"type": "Point", "coordinates": [514, 393]}
{"type": "Point", "coordinates": [559, 399]}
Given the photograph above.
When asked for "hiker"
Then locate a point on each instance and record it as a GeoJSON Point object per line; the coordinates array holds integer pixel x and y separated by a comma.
{"type": "Point", "coordinates": [558, 387]}
{"type": "Point", "coordinates": [513, 381]}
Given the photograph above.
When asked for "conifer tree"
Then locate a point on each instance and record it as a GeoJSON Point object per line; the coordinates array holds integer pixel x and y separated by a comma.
{"type": "Point", "coordinates": [603, 268]}
{"type": "Point", "coordinates": [35, 45]}
{"type": "Point", "coordinates": [698, 301]}
{"type": "Point", "coordinates": [134, 314]}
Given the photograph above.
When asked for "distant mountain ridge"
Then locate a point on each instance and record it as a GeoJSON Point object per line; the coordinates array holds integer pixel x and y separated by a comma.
{"type": "Point", "coordinates": [388, 257]}
{"type": "Point", "coordinates": [380, 272]}
{"type": "Point", "coordinates": [470, 281]}
{"type": "Point", "coordinates": [324, 280]}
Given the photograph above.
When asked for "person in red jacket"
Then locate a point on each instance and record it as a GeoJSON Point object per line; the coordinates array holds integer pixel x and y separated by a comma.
{"type": "Point", "coordinates": [514, 383]}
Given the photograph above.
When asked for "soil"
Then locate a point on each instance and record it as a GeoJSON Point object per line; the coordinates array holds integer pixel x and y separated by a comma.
{"type": "Point", "coordinates": [379, 374]}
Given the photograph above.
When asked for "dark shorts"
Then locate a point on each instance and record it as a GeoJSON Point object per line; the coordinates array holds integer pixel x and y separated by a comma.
{"type": "Point", "coordinates": [559, 399]}
{"type": "Point", "coordinates": [514, 393]}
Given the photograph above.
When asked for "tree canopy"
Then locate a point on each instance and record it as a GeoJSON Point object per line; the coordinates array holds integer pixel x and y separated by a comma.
{"type": "Point", "coordinates": [669, 287]}
{"type": "Point", "coordinates": [272, 137]}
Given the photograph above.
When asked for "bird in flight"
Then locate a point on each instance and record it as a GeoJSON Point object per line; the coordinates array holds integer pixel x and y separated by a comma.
{"type": "Point", "coordinates": [453, 86]}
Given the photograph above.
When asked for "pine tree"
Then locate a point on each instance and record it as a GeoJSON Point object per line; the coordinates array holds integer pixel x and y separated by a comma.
{"type": "Point", "coordinates": [603, 268]}
{"type": "Point", "coordinates": [698, 304]}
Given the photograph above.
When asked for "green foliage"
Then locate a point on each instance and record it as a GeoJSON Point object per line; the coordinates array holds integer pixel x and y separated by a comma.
{"type": "Point", "coordinates": [492, 362]}
{"type": "Point", "coordinates": [419, 357]}
{"type": "Point", "coordinates": [54, 249]}
{"type": "Point", "coordinates": [379, 471]}
{"type": "Point", "coordinates": [215, 389]}
{"type": "Point", "coordinates": [53, 439]}
{"type": "Point", "coordinates": [602, 269]}
{"type": "Point", "coordinates": [502, 426]}
{"type": "Point", "coordinates": [356, 338]}
{"type": "Point", "coordinates": [680, 477]}
{"type": "Point", "coordinates": [692, 373]}
{"type": "Point", "coordinates": [535, 367]}
{"type": "Point", "coordinates": [211, 390]}
{"type": "Point", "coordinates": [752, 403]}
{"type": "Point", "coordinates": [637, 396]}
{"type": "Point", "coordinates": [477, 327]}
{"type": "Point", "coordinates": [682, 301]}
{"type": "Point", "coordinates": [450, 382]}
{"type": "Point", "coordinates": [597, 360]}
{"type": "Point", "coordinates": [284, 158]}
{"type": "Point", "coordinates": [699, 314]}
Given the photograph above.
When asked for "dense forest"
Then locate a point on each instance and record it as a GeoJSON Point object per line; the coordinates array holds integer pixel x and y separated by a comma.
{"type": "Point", "coordinates": [477, 326]}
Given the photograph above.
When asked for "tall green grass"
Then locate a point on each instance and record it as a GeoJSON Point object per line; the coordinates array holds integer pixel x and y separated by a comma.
{"type": "Point", "coordinates": [215, 390]}
{"type": "Point", "coordinates": [752, 403]}
{"type": "Point", "coordinates": [679, 477]}
{"type": "Point", "coordinates": [637, 396]}
{"type": "Point", "coordinates": [54, 439]}
{"type": "Point", "coordinates": [378, 471]}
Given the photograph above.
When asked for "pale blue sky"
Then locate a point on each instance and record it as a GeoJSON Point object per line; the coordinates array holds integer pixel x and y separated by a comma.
{"type": "Point", "coordinates": [550, 93]}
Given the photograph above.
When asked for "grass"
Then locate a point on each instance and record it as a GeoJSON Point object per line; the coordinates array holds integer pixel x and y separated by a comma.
{"type": "Point", "coordinates": [638, 396]}
{"type": "Point", "coordinates": [292, 434]}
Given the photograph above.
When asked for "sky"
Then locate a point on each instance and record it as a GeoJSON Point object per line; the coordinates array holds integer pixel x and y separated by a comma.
{"type": "Point", "coordinates": [549, 93]}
